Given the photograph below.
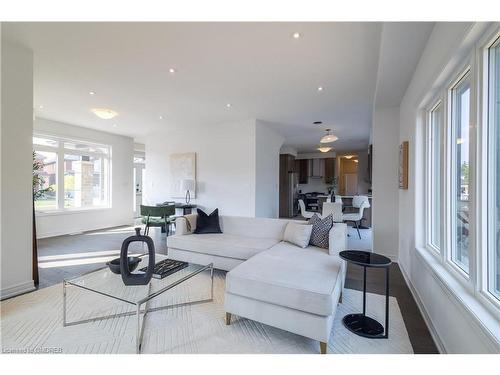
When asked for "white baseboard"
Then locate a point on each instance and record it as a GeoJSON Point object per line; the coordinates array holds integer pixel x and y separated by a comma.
{"type": "Point", "coordinates": [439, 343]}
{"type": "Point", "coordinates": [84, 229]}
{"type": "Point", "coordinates": [15, 290]}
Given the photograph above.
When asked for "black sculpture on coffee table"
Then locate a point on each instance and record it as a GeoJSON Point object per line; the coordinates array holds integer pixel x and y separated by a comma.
{"type": "Point", "coordinates": [137, 279]}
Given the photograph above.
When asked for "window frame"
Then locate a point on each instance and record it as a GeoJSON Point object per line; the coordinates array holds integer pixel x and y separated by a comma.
{"type": "Point", "coordinates": [438, 101]}
{"type": "Point", "coordinates": [484, 169]}
{"type": "Point", "coordinates": [465, 72]}
{"type": "Point", "coordinates": [61, 151]}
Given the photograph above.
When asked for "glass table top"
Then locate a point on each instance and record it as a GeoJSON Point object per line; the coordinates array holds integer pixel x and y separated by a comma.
{"type": "Point", "coordinates": [365, 258]}
{"type": "Point", "coordinates": [107, 283]}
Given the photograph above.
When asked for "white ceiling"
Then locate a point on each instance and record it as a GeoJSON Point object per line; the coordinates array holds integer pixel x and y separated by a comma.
{"type": "Point", "coordinates": [257, 67]}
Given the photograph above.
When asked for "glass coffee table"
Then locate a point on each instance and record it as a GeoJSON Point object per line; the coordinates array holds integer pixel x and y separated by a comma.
{"type": "Point", "coordinates": [104, 282]}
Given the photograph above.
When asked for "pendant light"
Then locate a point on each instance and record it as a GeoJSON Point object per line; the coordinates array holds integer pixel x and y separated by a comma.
{"type": "Point", "coordinates": [329, 138]}
{"type": "Point", "coordinates": [323, 148]}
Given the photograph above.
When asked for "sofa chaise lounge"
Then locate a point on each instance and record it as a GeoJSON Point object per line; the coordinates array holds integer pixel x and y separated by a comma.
{"type": "Point", "coordinates": [269, 280]}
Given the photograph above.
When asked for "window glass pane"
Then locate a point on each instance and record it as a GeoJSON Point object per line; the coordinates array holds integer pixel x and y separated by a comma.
{"type": "Point", "coordinates": [46, 190]}
{"type": "Point", "coordinates": [494, 175]}
{"type": "Point", "coordinates": [435, 131]}
{"type": "Point", "coordinates": [45, 142]}
{"type": "Point", "coordinates": [460, 172]}
{"type": "Point", "coordinates": [85, 181]}
{"type": "Point", "coordinates": [86, 147]}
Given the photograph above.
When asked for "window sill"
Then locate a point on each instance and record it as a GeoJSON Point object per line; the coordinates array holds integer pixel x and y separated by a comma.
{"type": "Point", "coordinates": [70, 211]}
{"type": "Point", "coordinates": [484, 317]}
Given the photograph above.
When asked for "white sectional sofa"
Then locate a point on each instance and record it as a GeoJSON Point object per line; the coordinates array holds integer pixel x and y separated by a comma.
{"type": "Point", "coordinates": [269, 280]}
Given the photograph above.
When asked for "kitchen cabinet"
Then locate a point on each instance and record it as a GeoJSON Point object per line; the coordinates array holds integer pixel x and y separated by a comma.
{"type": "Point", "coordinates": [316, 168]}
{"type": "Point", "coordinates": [329, 170]}
{"type": "Point", "coordinates": [286, 173]}
{"type": "Point", "coordinates": [302, 168]}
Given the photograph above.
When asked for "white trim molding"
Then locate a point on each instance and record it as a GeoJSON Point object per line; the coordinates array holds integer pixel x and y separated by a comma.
{"type": "Point", "coordinates": [483, 322]}
{"type": "Point", "coordinates": [437, 340]}
{"type": "Point", "coordinates": [17, 289]}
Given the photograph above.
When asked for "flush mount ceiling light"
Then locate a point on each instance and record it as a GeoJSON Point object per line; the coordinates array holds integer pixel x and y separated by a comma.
{"type": "Point", "coordinates": [40, 106]}
{"type": "Point", "coordinates": [323, 148]}
{"type": "Point", "coordinates": [348, 156]}
{"type": "Point", "coordinates": [161, 117]}
{"type": "Point", "coordinates": [320, 88]}
{"type": "Point", "coordinates": [104, 113]}
{"type": "Point", "coordinates": [171, 70]}
{"type": "Point", "coordinates": [296, 35]}
{"type": "Point", "coordinates": [114, 125]}
{"type": "Point", "coordinates": [228, 105]}
{"type": "Point", "coordinates": [329, 138]}
{"type": "Point", "coordinates": [91, 92]}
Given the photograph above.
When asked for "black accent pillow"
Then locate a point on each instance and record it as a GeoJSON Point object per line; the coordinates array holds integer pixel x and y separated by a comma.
{"type": "Point", "coordinates": [320, 231]}
{"type": "Point", "coordinates": [207, 223]}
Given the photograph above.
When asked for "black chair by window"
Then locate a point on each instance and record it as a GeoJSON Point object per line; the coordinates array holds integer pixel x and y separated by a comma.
{"type": "Point", "coordinates": [158, 216]}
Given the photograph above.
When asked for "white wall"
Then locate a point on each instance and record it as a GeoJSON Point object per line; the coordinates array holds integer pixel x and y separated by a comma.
{"type": "Point", "coordinates": [225, 165]}
{"type": "Point", "coordinates": [385, 213]}
{"type": "Point", "coordinates": [450, 309]}
{"type": "Point", "coordinates": [267, 169]}
{"type": "Point", "coordinates": [237, 166]}
{"type": "Point", "coordinates": [122, 190]}
{"type": "Point", "coordinates": [16, 169]}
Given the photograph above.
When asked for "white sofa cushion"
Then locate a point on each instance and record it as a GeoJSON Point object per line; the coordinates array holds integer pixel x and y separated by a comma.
{"type": "Point", "coordinates": [221, 244]}
{"type": "Point", "coordinates": [298, 234]}
{"type": "Point", "coordinates": [302, 279]}
{"type": "Point", "coordinates": [253, 227]}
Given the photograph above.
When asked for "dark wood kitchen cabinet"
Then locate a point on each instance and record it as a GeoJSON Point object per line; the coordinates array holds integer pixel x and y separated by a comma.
{"type": "Point", "coordinates": [302, 168]}
{"type": "Point", "coordinates": [287, 166]}
{"type": "Point", "coordinates": [329, 170]}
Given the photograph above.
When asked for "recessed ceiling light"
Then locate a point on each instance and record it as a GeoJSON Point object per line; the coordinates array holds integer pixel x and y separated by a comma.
{"type": "Point", "coordinates": [161, 117]}
{"type": "Point", "coordinates": [171, 70]}
{"type": "Point", "coordinates": [40, 106]}
{"type": "Point", "coordinates": [228, 105]}
{"type": "Point", "coordinates": [114, 125]}
{"type": "Point", "coordinates": [104, 113]}
{"type": "Point", "coordinates": [320, 88]}
{"type": "Point", "coordinates": [296, 35]}
{"type": "Point", "coordinates": [91, 92]}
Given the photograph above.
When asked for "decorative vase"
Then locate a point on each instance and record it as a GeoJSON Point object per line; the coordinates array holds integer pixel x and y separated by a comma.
{"type": "Point", "coordinates": [137, 279]}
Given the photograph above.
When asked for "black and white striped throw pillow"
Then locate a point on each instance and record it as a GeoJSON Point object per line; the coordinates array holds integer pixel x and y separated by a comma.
{"type": "Point", "coordinates": [320, 230]}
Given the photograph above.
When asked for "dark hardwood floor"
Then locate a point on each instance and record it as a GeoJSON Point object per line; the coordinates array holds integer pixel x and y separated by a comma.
{"type": "Point", "coordinates": [420, 337]}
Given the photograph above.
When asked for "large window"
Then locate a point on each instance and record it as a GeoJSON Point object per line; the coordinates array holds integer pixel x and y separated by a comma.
{"type": "Point", "coordinates": [435, 130]}
{"type": "Point", "coordinates": [493, 253]}
{"type": "Point", "coordinates": [460, 164]}
{"type": "Point", "coordinates": [76, 172]}
{"type": "Point", "coordinates": [462, 184]}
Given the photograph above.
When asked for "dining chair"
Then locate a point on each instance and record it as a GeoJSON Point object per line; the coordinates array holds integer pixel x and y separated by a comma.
{"type": "Point", "coordinates": [334, 209]}
{"type": "Point", "coordinates": [359, 202]}
{"type": "Point", "coordinates": [303, 212]}
{"type": "Point", "coordinates": [157, 216]}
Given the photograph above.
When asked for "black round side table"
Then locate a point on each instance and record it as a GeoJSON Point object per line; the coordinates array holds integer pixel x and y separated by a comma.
{"type": "Point", "coordinates": [361, 324]}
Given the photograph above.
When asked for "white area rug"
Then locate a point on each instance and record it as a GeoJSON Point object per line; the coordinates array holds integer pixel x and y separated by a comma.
{"type": "Point", "coordinates": [34, 321]}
